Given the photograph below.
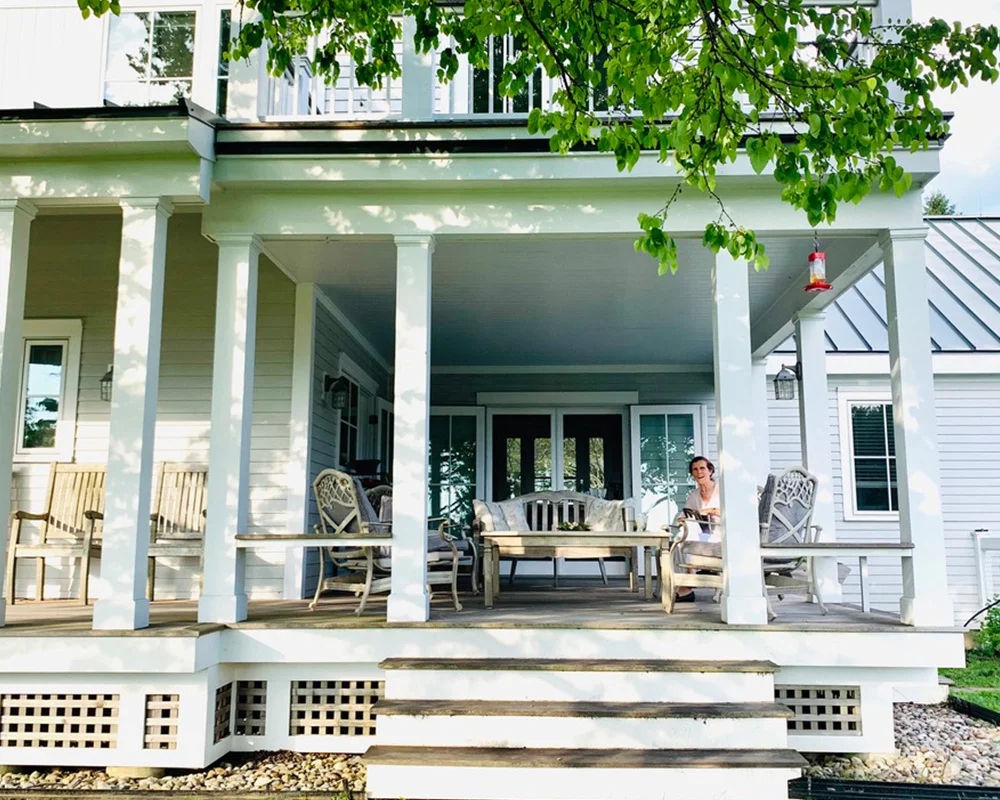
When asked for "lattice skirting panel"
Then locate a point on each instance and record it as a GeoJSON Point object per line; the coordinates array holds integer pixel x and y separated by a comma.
{"type": "Point", "coordinates": [334, 708]}
{"type": "Point", "coordinates": [85, 721]}
{"type": "Point", "coordinates": [162, 716]}
{"type": "Point", "coordinates": [223, 712]}
{"type": "Point", "coordinates": [251, 708]}
{"type": "Point", "coordinates": [822, 710]}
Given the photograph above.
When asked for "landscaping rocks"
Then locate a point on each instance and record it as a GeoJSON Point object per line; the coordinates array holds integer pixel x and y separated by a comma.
{"type": "Point", "coordinates": [936, 745]}
{"type": "Point", "coordinates": [270, 772]}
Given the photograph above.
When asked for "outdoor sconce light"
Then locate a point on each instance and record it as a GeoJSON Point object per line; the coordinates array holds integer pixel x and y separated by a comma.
{"type": "Point", "coordinates": [340, 391]}
{"type": "Point", "coordinates": [817, 270]}
{"type": "Point", "coordinates": [784, 382]}
{"type": "Point", "coordinates": [106, 382]}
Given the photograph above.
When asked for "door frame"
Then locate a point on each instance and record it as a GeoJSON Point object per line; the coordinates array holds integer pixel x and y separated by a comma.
{"type": "Point", "coordinates": [698, 410]}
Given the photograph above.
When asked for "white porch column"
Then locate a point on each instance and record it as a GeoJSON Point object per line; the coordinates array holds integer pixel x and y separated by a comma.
{"type": "Point", "coordinates": [129, 482]}
{"type": "Point", "coordinates": [15, 227]}
{"type": "Point", "coordinates": [925, 585]}
{"type": "Point", "coordinates": [300, 435]}
{"type": "Point", "coordinates": [761, 438]}
{"type": "Point", "coordinates": [418, 87]}
{"type": "Point", "coordinates": [814, 424]}
{"type": "Point", "coordinates": [223, 597]}
{"type": "Point", "coordinates": [408, 599]}
{"type": "Point", "coordinates": [743, 597]}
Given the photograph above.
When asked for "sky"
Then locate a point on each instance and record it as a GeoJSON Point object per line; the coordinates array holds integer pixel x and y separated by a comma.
{"type": "Point", "coordinates": [970, 162]}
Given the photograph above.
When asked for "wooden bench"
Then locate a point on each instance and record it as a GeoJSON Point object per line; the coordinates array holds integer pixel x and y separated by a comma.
{"type": "Point", "coordinates": [71, 526]}
{"type": "Point", "coordinates": [860, 550]}
{"type": "Point", "coordinates": [177, 521]}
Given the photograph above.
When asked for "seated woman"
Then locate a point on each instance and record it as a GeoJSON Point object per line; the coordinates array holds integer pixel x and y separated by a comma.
{"type": "Point", "coordinates": [702, 503]}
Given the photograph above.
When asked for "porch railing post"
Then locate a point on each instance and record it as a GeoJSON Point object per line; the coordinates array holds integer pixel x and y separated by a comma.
{"type": "Point", "coordinates": [223, 597]}
{"type": "Point", "coordinates": [743, 595]}
{"type": "Point", "coordinates": [408, 598]}
{"type": "Point", "coordinates": [925, 598]}
{"type": "Point", "coordinates": [814, 424]}
{"type": "Point", "coordinates": [129, 483]}
{"type": "Point", "coordinates": [15, 228]}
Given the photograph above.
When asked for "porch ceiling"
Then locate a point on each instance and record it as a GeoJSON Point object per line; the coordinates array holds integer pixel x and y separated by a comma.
{"type": "Point", "coordinates": [532, 301]}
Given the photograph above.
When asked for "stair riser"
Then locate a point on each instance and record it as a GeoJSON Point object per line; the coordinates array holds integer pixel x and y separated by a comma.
{"type": "Point", "coordinates": [581, 732]}
{"type": "Point", "coordinates": [525, 783]}
{"type": "Point", "coordinates": [664, 687]}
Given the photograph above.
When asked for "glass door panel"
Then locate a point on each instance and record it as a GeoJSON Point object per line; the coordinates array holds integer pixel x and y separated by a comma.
{"type": "Point", "coordinates": [592, 459]}
{"type": "Point", "coordinates": [522, 454]}
{"type": "Point", "coordinates": [454, 466]}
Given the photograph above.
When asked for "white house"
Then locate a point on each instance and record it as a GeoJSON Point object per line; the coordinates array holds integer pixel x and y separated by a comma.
{"type": "Point", "coordinates": [212, 266]}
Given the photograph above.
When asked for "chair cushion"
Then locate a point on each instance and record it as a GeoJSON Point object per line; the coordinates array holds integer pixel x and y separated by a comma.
{"type": "Point", "coordinates": [711, 549]}
{"type": "Point", "coordinates": [490, 516]}
{"type": "Point", "coordinates": [436, 544]}
{"type": "Point", "coordinates": [513, 513]}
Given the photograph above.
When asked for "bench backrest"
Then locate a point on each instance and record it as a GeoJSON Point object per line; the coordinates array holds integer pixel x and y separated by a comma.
{"type": "Point", "coordinates": [180, 501]}
{"type": "Point", "coordinates": [546, 511]}
{"type": "Point", "coordinates": [548, 514]}
{"type": "Point", "coordinates": [72, 490]}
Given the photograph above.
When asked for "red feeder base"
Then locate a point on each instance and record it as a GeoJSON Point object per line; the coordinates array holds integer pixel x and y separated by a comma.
{"type": "Point", "coordinates": [817, 287]}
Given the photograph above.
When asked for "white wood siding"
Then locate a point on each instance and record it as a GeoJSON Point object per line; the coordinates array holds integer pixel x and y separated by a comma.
{"type": "Point", "coordinates": [968, 426]}
{"type": "Point", "coordinates": [72, 272]}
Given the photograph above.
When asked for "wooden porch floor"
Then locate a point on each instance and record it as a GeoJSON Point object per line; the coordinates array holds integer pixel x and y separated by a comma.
{"type": "Point", "coordinates": [533, 605]}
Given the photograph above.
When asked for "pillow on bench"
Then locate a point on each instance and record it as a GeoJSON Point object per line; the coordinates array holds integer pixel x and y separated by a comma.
{"type": "Point", "coordinates": [490, 516]}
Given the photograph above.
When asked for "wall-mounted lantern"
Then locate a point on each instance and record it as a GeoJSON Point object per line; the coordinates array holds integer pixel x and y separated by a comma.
{"type": "Point", "coordinates": [339, 390]}
{"type": "Point", "coordinates": [785, 380]}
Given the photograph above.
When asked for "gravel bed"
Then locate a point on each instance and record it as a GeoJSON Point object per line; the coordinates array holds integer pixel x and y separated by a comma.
{"type": "Point", "coordinates": [936, 745]}
{"type": "Point", "coordinates": [270, 772]}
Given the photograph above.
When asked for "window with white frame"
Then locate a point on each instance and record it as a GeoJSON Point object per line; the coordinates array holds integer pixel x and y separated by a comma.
{"type": "Point", "coordinates": [349, 434]}
{"type": "Point", "coordinates": [357, 433]}
{"type": "Point", "coordinates": [150, 57]}
{"type": "Point", "coordinates": [49, 381]}
{"type": "Point", "coordinates": [868, 455]}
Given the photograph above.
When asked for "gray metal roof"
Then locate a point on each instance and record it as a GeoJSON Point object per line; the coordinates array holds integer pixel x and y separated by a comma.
{"type": "Point", "coordinates": [963, 288]}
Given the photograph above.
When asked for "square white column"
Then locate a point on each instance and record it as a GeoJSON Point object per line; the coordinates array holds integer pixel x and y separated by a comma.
{"type": "Point", "coordinates": [925, 583]}
{"type": "Point", "coordinates": [129, 482]}
{"type": "Point", "coordinates": [814, 423]}
{"type": "Point", "coordinates": [761, 438]}
{"type": "Point", "coordinates": [408, 598]}
{"type": "Point", "coordinates": [223, 598]}
{"type": "Point", "coordinates": [418, 91]}
{"type": "Point", "coordinates": [743, 593]}
{"type": "Point", "coordinates": [15, 228]}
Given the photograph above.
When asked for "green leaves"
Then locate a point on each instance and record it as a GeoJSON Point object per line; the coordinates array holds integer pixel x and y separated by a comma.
{"type": "Point", "coordinates": [819, 98]}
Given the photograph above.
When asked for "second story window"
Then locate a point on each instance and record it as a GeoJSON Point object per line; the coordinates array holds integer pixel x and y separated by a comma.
{"type": "Point", "coordinates": [150, 58]}
{"type": "Point", "coordinates": [225, 36]}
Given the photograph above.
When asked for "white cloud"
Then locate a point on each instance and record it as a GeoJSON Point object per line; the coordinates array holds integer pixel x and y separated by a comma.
{"type": "Point", "coordinates": [970, 162]}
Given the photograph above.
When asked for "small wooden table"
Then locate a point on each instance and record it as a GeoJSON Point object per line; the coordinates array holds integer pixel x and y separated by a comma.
{"type": "Point", "coordinates": [569, 544]}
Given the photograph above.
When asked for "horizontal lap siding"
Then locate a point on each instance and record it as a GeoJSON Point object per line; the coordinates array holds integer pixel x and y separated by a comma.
{"type": "Point", "coordinates": [968, 410]}
{"type": "Point", "coordinates": [73, 268]}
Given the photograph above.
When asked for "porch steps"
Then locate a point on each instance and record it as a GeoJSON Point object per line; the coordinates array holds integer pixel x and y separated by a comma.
{"type": "Point", "coordinates": [585, 729]}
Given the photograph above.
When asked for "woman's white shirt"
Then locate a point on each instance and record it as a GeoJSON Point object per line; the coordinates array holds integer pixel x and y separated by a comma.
{"type": "Point", "coordinates": [695, 503]}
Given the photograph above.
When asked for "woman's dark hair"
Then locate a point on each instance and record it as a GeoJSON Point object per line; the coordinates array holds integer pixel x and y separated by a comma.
{"type": "Point", "coordinates": [696, 459]}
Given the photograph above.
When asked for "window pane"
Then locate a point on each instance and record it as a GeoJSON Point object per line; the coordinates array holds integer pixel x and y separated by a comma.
{"type": "Point", "coordinates": [45, 370]}
{"type": "Point", "coordinates": [871, 481]}
{"type": "Point", "coordinates": [345, 443]}
{"type": "Point", "coordinates": [680, 450]}
{"type": "Point", "coordinates": [893, 487]}
{"type": "Point", "coordinates": [569, 464]}
{"type": "Point", "coordinates": [352, 414]}
{"type": "Point", "coordinates": [597, 475]}
{"type": "Point", "coordinates": [543, 464]}
{"type": "Point", "coordinates": [868, 427]}
{"type": "Point", "coordinates": [128, 47]}
{"type": "Point", "coordinates": [462, 469]}
{"type": "Point", "coordinates": [513, 467]}
{"type": "Point", "coordinates": [890, 430]}
{"type": "Point", "coordinates": [173, 44]}
{"type": "Point", "coordinates": [40, 417]}
{"type": "Point", "coordinates": [439, 435]}
{"type": "Point", "coordinates": [352, 452]}
{"type": "Point", "coordinates": [225, 34]}
{"type": "Point", "coordinates": [653, 456]}
{"type": "Point", "coordinates": [127, 94]}
{"type": "Point", "coordinates": [167, 93]}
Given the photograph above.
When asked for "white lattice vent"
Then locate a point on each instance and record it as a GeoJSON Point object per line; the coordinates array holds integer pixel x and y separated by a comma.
{"type": "Point", "coordinates": [84, 721]}
{"type": "Point", "coordinates": [334, 708]}
{"type": "Point", "coordinates": [223, 712]}
{"type": "Point", "coordinates": [162, 714]}
{"type": "Point", "coordinates": [251, 708]}
{"type": "Point", "coordinates": [822, 710]}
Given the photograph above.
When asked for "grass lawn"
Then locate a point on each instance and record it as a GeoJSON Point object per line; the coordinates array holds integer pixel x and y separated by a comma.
{"type": "Point", "coordinates": [990, 700]}
{"type": "Point", "coordinates": [981, 671]}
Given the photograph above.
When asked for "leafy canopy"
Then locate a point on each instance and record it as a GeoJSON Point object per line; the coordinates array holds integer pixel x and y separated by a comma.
{"type": "Point", "coordinates": [818, 97]}
{"type": "Point", "coordinates": [938, 204]}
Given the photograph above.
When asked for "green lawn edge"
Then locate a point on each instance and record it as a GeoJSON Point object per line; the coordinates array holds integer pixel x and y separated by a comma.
{"type": "Point", "coordinates": [982, 671]}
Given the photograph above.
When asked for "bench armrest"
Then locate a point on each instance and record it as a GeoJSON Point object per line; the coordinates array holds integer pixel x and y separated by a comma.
{"type": "Point", "coordinates": [92, 515]}
{"type": "Point", "coordinates": [28, 515]}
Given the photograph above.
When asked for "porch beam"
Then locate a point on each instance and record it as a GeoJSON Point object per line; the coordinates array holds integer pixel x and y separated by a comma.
{"type": "Point", "coordinates": [15, 229]}
{"type": "Point", "coordinates": [743, 600]}
{"type": "Point", "coordinates": [223, 597]}
{"type": "Point", "coordinates": [129, 482]}
{"type": "Point", "coordinates": [408, 597]}
{"type": "Point", "coordinates": [925, 584]}
{"type": "Point", "coordinates": [816, 441]}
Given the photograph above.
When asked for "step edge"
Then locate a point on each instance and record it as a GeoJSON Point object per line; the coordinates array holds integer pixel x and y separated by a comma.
{"type": "Point", "coordinates": [398, 707]}
{"type": "Point", "coordinates": [578, 665]}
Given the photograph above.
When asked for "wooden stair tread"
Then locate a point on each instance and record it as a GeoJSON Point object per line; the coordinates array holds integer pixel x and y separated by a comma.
{"type": "Point", "coordinates": [587, 709]}
{"type": "Point", "coordinates": [578, 665]}
{"type": "Point", "coordinates": [581, 758]}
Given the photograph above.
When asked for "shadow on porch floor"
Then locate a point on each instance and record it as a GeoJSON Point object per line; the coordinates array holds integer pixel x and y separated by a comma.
{"type": "Point", "coordinates": [577, 604]}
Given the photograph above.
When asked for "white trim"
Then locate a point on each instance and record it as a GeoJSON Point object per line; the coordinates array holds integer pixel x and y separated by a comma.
{"type": "Point", "coordinates": [984, 540]}
{"type": "Point", "coordinates": [300, 434]}
{"type": "Point", "coordinates": [845, 398]}
{"type": "Point", "coordinates": [349, 367]}
{"type": "Point", "coordinates": [981, 363]}
{"type": "Point", "coordinates": [480, 414]}
{"type": "Point", "coordinates": [583, 369]}
{"type": "Point", "coordinates": [557, 398]}
{"type": "Point", "coordinates": [347, 325]}
{"type": "Point", "coordinates": [69, 331]}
